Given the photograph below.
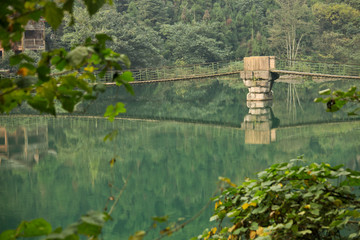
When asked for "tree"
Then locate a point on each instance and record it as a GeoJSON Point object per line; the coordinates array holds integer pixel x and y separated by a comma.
{"type": "Point", "coordinates": [290, 25]}
{"type": "Point", "coordinates": [40, 85]}
{"type": "Point", "coordinates": [251, 20]}
{"type": "Point", "coordinates": [339, 36]}
{"type": "Point", "coordinates": [152, 12]}
{"type": "Point", "coordinates": [133, 39]}
{"type": "Point", "coordinates": [195, 43]}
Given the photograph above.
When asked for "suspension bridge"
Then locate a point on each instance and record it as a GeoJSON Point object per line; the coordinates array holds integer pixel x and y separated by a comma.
{"type": "Point", "coordinates": [227, 68]}
{"type": "Point", "coordinates": [218, 69]}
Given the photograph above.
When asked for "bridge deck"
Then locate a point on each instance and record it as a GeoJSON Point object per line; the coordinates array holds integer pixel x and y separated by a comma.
{"type": "Point", "coordinates": [314, 74]}
{"type": "Point", "coordinates": [193, 77]}
{"type": "Point", "coordinates": [218, 69]}
{"type": "Point", "coordinates": [181, 78]}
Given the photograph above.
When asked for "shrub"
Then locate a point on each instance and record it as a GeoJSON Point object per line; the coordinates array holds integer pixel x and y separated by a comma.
{"type": "Point", "coordinates": [289, 201]}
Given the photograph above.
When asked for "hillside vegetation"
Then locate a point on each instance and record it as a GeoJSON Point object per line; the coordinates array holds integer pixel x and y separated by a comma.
{"type": "Point", "coordinates": [168, 32]}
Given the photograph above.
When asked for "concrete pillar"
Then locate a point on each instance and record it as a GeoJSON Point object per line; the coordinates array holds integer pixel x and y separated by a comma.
{"type": "Point", "coordinates": [257, 76]}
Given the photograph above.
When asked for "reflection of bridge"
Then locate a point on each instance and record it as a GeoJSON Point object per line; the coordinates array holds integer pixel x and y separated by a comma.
{"type": "Point", "coordinates": [260, 125]}
{"type": "Point", "coordinates": [259, 128]}
{"type": "Point", "coordinates": [218, 69]}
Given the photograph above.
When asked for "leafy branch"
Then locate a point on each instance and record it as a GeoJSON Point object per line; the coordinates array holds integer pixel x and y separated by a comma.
{"type": "Point", "coordinates": [289, 201]}
{"type": "Point", "coordinates": [337, 99]}
{"type": "Point", "coordinates": [41, 89]}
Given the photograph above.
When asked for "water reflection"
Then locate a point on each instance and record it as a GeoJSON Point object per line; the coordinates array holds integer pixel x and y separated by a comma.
{"type": "Point", "coordinates": [175, 163]}
{"type": "Point", "coordinates": [292, 100]}
{"type": "Point", "coordinates": [260, 124]}
{"type": "Point", "coordinates": [354, 163]}
{"type": "Point", "coordinates": [23, 146]}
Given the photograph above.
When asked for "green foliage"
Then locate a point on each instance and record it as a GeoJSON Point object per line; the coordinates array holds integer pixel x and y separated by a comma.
{"type": "Point", "coordinates": [290, 201]}
{"type": "Point", "coordinates": [233, 29]}
{"type": "Point", "coordinates": [41, 89]}
{"type": "Point", "coordinates": [339, 31]}
{"type": "Point", "coordinates": [337, 99]}
{"type": "Point", "coordinates": [128, 35]}
{"type": "Point", "coordinates": [40, 83]}
{"type": "Point", "coordinates": [14, 15]}
{"type": "Point", "coordinates": [336, 15]}
{"type": "Point", "coordinates": [89, 225]}
{"type": "Point", "coordinates": [291, 24]}
{"type": "Point", "coordinates": [113, 111]}
{"type": "Point", "coordinates": [195, 43]}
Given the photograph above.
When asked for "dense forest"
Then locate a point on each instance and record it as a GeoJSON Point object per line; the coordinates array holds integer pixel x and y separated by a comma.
{"type": "Point", "coordinates": [175, 32]}
{"type": "Point", "coordinates": [178, 32]}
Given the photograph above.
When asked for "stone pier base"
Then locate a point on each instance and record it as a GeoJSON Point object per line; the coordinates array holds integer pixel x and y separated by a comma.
{"type": "Point", "coordinates": [258, 78]}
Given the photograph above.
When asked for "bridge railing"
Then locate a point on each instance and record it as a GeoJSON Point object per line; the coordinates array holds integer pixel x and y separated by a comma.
{"type": "Point", "coordinates": [179, 72]}
{"type": "Point", "coordinates": [318, 67]}
{"type": "Point", "coordinates": [169, 72]}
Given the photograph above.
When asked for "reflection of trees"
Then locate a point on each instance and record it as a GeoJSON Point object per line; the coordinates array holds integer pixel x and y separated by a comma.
{"type": "Point", "coordinates": [354, 163]}
{"type": "Point", "coordinates": [23, 146]}
{"type": "Point", "coordinates": [209, 99]}
{"type": "Point", "coordinates": [292, 100]}
{"type": "Point", "coordinates": [218, 101]}
{"type": "Point", "coordinates": [175, 167]}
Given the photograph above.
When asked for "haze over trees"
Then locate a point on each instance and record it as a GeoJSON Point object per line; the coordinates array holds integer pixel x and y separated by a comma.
{"type": "Point", "coordinates": [159, 32]}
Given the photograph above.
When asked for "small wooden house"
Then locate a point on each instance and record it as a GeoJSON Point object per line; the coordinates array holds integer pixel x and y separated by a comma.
{"type": "Point", "coordinates": [33, 38]}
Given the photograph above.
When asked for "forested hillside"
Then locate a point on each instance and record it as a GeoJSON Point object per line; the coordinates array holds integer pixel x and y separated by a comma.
{"type": "Point", "coordinates": [175, 32]}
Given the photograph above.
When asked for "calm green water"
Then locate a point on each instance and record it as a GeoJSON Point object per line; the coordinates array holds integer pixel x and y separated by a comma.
{"type": "Point", "coordinates": [174, 143]}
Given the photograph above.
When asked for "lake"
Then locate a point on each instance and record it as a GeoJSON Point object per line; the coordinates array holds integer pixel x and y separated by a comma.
{"type": "Point", "coordinates": [171, 146]}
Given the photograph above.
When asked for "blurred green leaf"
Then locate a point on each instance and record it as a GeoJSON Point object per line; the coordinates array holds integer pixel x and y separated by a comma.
{"type": "Point", "coordinates": [113, 111]}
{"type": "Point", "coordinates": [36, 227]}
{"type": "Point", "coordinates": [161, 219]}
{"type": "Point", "coordinates": [25, 82]}
{"type": "Point", "coordinates": [138, 235]}
{"type": "Point", "coordinates": [42, 104]}
{"type": "Point", "coordinates": [6, 83]}
{"type": "Point", "coordinates": [325, 92]}
{"type": "Point", "coordinates": [55, 60]}
{"type": "Point", "coordinates": [110, 136]}
{"type": "Point", "coordinates": [89, 229]}
{"type": "Point", "coordinates": [127, 76]}
{"type": "Point", "coordinates": [125, 60]}
{"type": "Point", "coordinates": [77, 56]}
{"type": "Point", "coordinates": [16, 59]}
{"type": "Point", "coordinates": [68, 6]}
{"type": "Point", "coordinates": [8, 235]}
{"type": "Point", "coordinates": [93, 6]}
{"type": "Point", "coordinates": [53, 14]}
{"type": "Point", "coordinates": [68, 103]}
{"type": "Point", "coordinates": [99, 87]}
{"type": "Point", "coordinates": [43, 73]}
{"type": "Point", "coordinates": [95, 218]}
{"type": "Point", "coordinates": [102, 38]}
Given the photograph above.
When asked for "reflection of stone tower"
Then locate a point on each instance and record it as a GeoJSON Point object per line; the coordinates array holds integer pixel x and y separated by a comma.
{"type": "Point", "coordinates": [33, 38]}
{"type": "Point", "coordinates": [258, 123]}
{"type": "Point", "coordinates": [23, 146]}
